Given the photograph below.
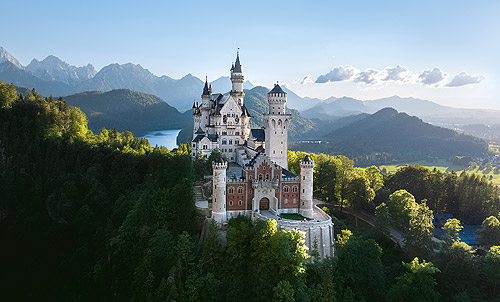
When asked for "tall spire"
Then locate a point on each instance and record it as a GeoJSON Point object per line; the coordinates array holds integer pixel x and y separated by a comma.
{"type": "Point", "coordinates": [206, 91]}
{"type": "Point", "coordinates": [237, 64]}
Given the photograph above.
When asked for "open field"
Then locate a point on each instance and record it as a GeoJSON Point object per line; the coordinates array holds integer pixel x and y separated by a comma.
{"type": "Point", "coordinates": [445, 166]}
{"type": "Point", "coordinates": [494, 148]}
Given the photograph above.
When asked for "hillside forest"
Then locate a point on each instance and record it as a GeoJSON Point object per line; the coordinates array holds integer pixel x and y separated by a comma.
{"type": "Point", "coordinates": [107, 217]}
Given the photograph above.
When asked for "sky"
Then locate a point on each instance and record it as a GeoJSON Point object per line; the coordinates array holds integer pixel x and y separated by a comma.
{"type": "Point", "coordinates": [444, 51]}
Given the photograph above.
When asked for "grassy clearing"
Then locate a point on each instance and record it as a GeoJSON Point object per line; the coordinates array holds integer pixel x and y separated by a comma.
{"type": "Point", "coordinates": [445, 166]}
{"type": "Point", "coordinates": [494, 148]}
{"type": "Point", "coordinates": [293, 216]}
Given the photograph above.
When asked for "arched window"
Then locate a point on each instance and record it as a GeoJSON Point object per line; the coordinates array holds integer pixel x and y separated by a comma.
{"type": "Point", "coordinates": [240, 190]}
{"type": "Point", "coordinates": [224, 141]}
{"type": "Point", "coordinates": [230, 203]}
{"type": "Point", "coordinates": [295, 189]}
{"type": "Point", "coordinates": [230, 190]}
{"type": "Point", "coordinates": [240, 202]}
{"type": "Point", "coordinates": [260, 176]}
{"type": "Point", "coordinates": [285, 189]}
{"type": "Point", "coordinates": [230, 141]}
{"type": "Point", "coordinates": [286, 200]}
{"type": "Point", "coordinates": [267, 176]}
{"type": "Point", "coordinates": [295, 200]}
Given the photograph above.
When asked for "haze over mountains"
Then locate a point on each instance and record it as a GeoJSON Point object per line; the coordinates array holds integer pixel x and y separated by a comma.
{"type": "Point", "coordinates": [56, 77]}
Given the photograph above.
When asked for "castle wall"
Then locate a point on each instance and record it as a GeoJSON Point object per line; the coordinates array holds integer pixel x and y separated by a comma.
{"type": "Point", "coordinates": [319, 230]}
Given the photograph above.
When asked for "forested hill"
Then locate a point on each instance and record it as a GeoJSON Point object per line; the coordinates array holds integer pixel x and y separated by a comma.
{"type": "Point", "coordinates": [125, 109]}
{"type": "Point", "coordinates": [86, 217]}
{"type": "Point", "coordinates": [400, 137]}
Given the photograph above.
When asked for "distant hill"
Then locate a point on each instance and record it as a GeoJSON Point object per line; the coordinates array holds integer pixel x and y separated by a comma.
{"type": "Point", "coordinates": [299, 103]}
{"type": "Point", "coordinates": [428, 111]}
{"type": "Point", "coordinates": [402, 136]}
{"type": "Point", "coordinates": [125, 109]}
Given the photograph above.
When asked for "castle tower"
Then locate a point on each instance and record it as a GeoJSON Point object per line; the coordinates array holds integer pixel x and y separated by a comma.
{"type": "Point", "coordinates": [237, 80]}
{"type": "Point", "coordinates": [276, 124]}
{"type": "Point", "coordinates": [205, 106]}
{"type": "Point", "coordinates": [219, 190]}
{"type": "Point", "coordinates": [306, 187]}
{"type": "Point", "coordinates": [196, 118]}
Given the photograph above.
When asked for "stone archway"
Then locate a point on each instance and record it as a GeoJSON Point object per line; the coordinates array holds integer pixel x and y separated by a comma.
{"type": "Point", "coordinates": [264, 204]}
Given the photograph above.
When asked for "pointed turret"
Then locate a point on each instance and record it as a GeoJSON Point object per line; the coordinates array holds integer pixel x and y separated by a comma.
{"type": "Point", "coordinates": [237, 64]}
{"type": "Point", "coordinates": [206, 90]}
{"type": "Point", "coordinates": [237, 80]}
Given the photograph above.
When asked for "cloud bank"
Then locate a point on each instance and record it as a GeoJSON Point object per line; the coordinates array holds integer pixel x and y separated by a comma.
{"type": "Point", "coordinates": [398, 74]}
{"type": "Point", "coordinates": [430, 77]}
{"type": "Point", "coordinates": [340, 73]}
{"type": "Point", "coordinates": [463, 78]}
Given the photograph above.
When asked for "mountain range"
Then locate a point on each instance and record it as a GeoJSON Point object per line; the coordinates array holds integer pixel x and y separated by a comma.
{"type": "Point", "coordinates": [391, 136]}
{"type": "Point", "coordinates": [56, 77]}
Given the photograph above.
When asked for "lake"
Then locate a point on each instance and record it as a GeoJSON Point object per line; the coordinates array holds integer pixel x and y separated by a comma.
{"type": "Point", "coordinates": [166, 138]}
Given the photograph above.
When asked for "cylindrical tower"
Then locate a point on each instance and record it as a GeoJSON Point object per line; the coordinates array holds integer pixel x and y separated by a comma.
{"type": "Point", "coordinates": [276, 124]}
{"type": "Point", "coordinates": [237, 80]}
{"type": "Point", "coordinates": [219, 190]}
{"type": "Point", "coordinates": [306, 187]}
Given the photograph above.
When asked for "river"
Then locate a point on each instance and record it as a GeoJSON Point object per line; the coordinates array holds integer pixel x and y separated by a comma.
{"type": "Point", "coordinates": [166, 138]}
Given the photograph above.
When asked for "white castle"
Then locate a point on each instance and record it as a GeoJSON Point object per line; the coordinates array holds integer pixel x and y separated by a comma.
{"type": "Point", "coordinates": [254, 179]}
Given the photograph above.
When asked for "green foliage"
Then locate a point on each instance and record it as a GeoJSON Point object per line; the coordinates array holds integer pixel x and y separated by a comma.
{"type": "Point", "coordinates": [417, 284]}
{"type": "Point", "coordinates": [359, 266]}
{"type": "Point", "coordinates": [491, 268]}
{"type": "Point", "coordinates": [452, 228]}
{"type": "Point", "coordinates": [468, 196]}
{"type": "Point", "coordinates": [283, 292]}
{"type": "Point", "coordinates": [358, 193]}
{"type": "Point", "coordinates": [94, 214]}
{"type": "Point", "coordinates": [108, 217]}
{"type": "Point", "coordinates": [489, 234]}
{"type": "Point", "coordinates": [8, 95]}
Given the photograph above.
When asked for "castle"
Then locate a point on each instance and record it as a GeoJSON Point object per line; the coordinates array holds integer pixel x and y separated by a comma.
{"type": "Point", "coordinates": [254, 179]}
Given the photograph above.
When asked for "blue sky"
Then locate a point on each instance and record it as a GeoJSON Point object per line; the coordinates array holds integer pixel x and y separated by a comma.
{"type": "Point", "coordinates": [293, 42]}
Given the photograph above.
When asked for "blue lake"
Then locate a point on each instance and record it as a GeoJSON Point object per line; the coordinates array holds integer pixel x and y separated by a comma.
{"type": "Point", "coordinates": [166, 138]}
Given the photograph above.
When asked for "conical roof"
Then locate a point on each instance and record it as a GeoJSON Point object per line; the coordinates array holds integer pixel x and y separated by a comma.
{"type": "Point", "coordinates": [206, 91]}
{"type": "Point", "coordinates": [277, 89]}
{"type": "Point", "coordinates": [237, 64]}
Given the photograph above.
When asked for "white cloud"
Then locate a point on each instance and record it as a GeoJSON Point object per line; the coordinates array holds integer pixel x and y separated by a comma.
{"type": "Point", "coordinates": [430, 77]}
{"type": "Point", "coordinates": [340, 73]}
{"type": "Point", "coordinates": [396, 73]}
{"type": "Point", "coordinates": [369, 76]}
{"type": "Point", "coordinates": [463, 78]}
